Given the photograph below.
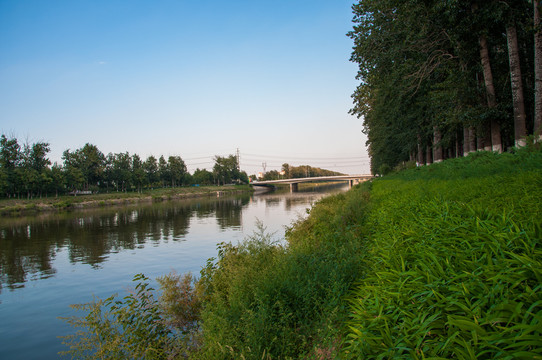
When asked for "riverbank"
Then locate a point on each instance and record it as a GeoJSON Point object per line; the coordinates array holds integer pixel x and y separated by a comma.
{"type": "Point", "coordinates": [442, 261]}
{"type": "Point", "coordinates": [18, 206]}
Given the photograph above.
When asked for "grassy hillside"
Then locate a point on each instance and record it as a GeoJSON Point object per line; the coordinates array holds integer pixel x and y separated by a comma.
{"type": "Point", "coordinates": [435, 262]}
{"type": "Point", "coordinates": [454, 262]}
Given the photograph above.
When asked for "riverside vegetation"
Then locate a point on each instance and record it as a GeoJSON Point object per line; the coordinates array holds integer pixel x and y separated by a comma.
{"type": "Point", "coordinates": [443, 261]}
{"type": "Point", "coordinates": [66, 202]}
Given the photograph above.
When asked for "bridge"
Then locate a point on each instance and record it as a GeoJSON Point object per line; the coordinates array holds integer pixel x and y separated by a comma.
{"type": "Point", "coordinates": [352, 180]}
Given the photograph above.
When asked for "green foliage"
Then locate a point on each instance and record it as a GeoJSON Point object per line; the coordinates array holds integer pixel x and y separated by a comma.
{"type": "Point", "coordinates": [420, 73]}
{"type": "Point", "coordinates": [226, 170]}
{"type": "Point", "coordinates": [301, 171]}
{"type": "Point", "coordinates": [267, 300]}
{"type": "Point", "coordinates": [130, 328]}
{"type": "Point", "coordinates": [454, 264]}
{"type": "Point", "coordinates": [180, 302]}
{"type": "Point", "coordinates": [202, 177]}
{"type": "Point", "coordinates": [27, 171]}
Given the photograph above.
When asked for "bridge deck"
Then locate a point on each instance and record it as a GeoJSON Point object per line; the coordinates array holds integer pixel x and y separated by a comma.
{"type": "Point", "coordinates": [312, 179]}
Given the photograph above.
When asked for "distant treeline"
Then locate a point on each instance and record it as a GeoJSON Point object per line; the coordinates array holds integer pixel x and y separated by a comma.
{"type": "Point", "coordinates": [295, 172]}
{"type": "Point", "coordinates": [26, 171]}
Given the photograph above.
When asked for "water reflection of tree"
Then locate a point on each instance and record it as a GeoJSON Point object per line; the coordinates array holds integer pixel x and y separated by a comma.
{"type": "Point", "coordinates": [28, 245]}
{"type": "Point", "coordinates": [28, 248]}
{"type": "Point", "coordinates": [23, 255]}
{"type": "Point", "coordinates": [228, 211]}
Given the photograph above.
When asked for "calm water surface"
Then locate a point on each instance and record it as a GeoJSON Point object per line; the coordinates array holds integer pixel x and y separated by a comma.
{"type": "Point", "coordinates": [50, 261]}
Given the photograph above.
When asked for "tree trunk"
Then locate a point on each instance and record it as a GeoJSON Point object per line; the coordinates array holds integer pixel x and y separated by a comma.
{"type": "Point", "coordinates": [457, 148]}
{"type": "Point", "coordinates": [420, 151]}
{"type": "Point", "coordinates": [520, 131]}
{"type": "Point", "coordinates": [466, 148]}
{"type": "Point", "coordinates": [494, 126]}
{"type": "Point", "coordinates": [437, 146]}
{"type": "Point", "coordinates": [537, 73]}
{"type": "Point", "coordinates": [428, 154]}
{"type": "Point", "coordinates": [479, 140]}
{"type": "Point", "coordinates": [469, 140]}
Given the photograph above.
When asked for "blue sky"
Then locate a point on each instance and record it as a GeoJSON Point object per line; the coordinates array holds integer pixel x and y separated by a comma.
{"type": "Point", "coordinates": [184, 77]}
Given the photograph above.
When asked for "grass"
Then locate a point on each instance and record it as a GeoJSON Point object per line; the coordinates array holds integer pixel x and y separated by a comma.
{"type": "Point", "coordinates": [436, 262]}
{"type": "Point", "coordinates": [455, 263]}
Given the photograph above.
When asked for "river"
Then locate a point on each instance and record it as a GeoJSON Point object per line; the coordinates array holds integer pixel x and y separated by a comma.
{"type": "Point", "coordinates": [51, 260]}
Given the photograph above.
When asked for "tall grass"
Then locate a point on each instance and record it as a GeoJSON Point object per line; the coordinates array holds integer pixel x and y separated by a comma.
{"type": "Point", "coordinates": [455, 263]}
{"type": "Point", "coordinates": [266, 301]}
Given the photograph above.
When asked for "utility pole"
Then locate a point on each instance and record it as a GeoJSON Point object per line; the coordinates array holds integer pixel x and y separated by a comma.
{"type": "Point", "coordinates": [238, 160]}
{"type": "Point", "coordinates": [264, 165]}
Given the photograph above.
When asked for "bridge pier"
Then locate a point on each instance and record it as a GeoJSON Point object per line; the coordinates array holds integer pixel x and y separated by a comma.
{"type": "Point", "coordinates": [293, 187]}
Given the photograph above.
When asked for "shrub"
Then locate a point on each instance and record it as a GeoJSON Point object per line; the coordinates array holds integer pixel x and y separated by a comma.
{"type": "Point", "coordinates": [133, 327]}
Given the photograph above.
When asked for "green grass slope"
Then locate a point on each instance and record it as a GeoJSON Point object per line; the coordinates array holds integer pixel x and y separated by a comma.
{"type": "Point", "coordinates": [442, 261]}
{"type": "Point", "coordinates": [454, 266]}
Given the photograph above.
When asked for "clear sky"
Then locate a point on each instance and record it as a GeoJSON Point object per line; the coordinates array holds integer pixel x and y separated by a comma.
{"type": "Point", "coordinates": [184, 77]}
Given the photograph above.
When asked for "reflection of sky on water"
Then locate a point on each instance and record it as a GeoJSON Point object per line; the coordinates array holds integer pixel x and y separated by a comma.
{"type": "Point", "coordinates": [52, 260]}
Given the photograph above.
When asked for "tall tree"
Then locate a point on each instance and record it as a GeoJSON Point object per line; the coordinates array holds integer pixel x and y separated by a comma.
{"type": "Point", "coordinates": [226, 170]}
{"type": "Point", "coordinates": [36, 167]}
{"type": "Point", "coordinates": [177, 170]}
{"type": "Point", "coordinates": [520, 129]}
{"type": "Point", "coordinates": [163, 170]}
{"type": "Point", "coordinates": [10, 158]}
{"type": "Point", "coordinates": [203, 177]}
{"type": "Point", "coordinates": [151, 170]}
{"type": "Point", "coordinates": [122, 171]}
{"type": "Point", "coordinates": [537, 71]}
{"type": "Point", "coordinates": [138, 173]}
{"type": "Point", "coordinates": [495, 128]}
{"type": "Point", "coordinates": [92, 164]}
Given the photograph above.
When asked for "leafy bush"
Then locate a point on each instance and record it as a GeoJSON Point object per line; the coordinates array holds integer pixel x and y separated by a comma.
{"type": "Point", "coordinates": [264, 300]}
{"type": "Point", "coordinates": [130, 328]}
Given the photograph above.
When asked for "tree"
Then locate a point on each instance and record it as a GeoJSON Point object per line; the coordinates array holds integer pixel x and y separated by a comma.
{"type": "Point", "coordinates": [34, 171]}
{"type": "Point", "coordinates": [56, 185]}
{"type": "Point", "coordinates": [202, 177]}
{"type": "Point", "coordinates": [138, 173]}
{"type": "Point", "coordinates": [27, 174]}
{"type": "Point", "coordinates": [537, 71]}
{"type": "Point", "coordinates": [92, 164]}
{"type": "Point", "coordinates": [271, 175]}
{"type": "Point", "coordinates": [226, 170]}
{"type": "Point", "coordinates": [122, 171]}
{"type": "Point", "coordinates": [177, 170]}
{"type": "Point", "coordinates": [151, 170]}
{"type": "Point", "coordinates": [9, 161]}
{"type": "Point", "coordinates": [433, 75]}
{"type": "Point", "coordinates": [495, 128]}
{"type": "Point", "coordinates": [520, 130]}
{"type": "Point", "coordinates": [286, 168]}
{"type": "Point", "coordinates": [73, 178]}
{"type": "Point", "coordinates": [90, 161]}
{"type": "Point", "coordinates": [163, 171]}
{"type": "Point", "coordinates": [39, 163]}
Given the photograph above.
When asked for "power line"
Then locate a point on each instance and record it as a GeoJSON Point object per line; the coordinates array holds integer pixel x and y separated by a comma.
{"type": "Point", "coordinates": [260, 156]}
